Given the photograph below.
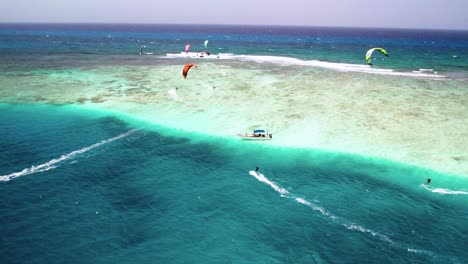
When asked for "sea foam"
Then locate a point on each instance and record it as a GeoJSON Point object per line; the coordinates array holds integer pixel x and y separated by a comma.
{"type": "Point", "coordinates": [289, 61]}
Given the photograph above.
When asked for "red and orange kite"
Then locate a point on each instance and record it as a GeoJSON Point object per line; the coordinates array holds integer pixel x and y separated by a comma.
{"type": "Point", "coordinates": [187, 68]}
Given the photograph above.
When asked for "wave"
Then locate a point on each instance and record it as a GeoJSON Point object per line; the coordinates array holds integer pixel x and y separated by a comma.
{"type": "Point", "coordinates": [289, 61]}
{"type": "Point", "coordinates": [51, 163]}
{"type": "Point", "coordinates": [443, 191]}
{"type": "Point", "coordinates": [341, 221]}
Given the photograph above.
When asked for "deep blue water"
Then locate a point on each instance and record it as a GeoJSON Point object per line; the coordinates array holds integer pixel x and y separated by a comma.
{"type": "Point", "coordinates": [443, 51]}
{"type": "Point", "coordinates": [147, 197]}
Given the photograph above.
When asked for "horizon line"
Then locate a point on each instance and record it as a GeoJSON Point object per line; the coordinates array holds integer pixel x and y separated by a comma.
{"type": "Point", "coordinates": [245, 25]}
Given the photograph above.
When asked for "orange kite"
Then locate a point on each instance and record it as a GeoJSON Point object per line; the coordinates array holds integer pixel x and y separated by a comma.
{"type": "Point", "coordinates": [187, 68]}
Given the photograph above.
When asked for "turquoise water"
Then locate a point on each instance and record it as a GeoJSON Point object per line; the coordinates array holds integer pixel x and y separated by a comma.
{"type": "Point", "coordinates": [127, 182]}
{"type": "Point", "coordinates": [135, 195]}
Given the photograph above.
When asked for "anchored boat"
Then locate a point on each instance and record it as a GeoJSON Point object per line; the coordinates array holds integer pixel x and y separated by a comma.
{"type": "Point", "coordinates": [258, 134]}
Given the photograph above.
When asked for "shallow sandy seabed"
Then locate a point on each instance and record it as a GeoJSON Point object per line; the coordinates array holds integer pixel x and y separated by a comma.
{"type": "Point", "coordinates": [418, 121]}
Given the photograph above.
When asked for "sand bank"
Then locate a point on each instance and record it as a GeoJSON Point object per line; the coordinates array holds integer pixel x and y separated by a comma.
{"type": "Point", "coordinates": [419, 121]}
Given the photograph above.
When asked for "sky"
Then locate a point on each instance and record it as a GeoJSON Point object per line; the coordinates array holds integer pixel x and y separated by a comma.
{"type": "Point", "coordinates": [424, 14]}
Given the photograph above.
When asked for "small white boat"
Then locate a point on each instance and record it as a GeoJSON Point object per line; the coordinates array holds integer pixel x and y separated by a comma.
{"type": "Point", "coordinates": [258, 134]}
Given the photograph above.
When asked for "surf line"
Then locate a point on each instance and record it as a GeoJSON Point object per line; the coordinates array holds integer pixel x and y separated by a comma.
{"type": "Point", "coordinates": [346, 223]}
{"type": "Point", "coordinates": [286, 61]}
{"type": "Point", "coordinates": [51, 164]}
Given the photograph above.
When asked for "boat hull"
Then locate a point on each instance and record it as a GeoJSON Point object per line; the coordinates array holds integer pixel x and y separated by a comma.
{"type": "Point", "coordinates": [252, 137]}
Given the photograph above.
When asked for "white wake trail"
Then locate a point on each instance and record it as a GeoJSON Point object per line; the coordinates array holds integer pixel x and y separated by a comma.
{"type": "Point", "coordinates": [443, 191]}
{"type": "Point", "coordinates": [173, 94]}
{"type": "Point", "coordinates": [447, 191]}
{"type": "Point", "coordinates": [285, 193]}
{"type": "Point", "coordinates": [51, 164]}
{"type": "Point", "coordinates": [263, 179]}
{"type": "Point", "coordinates": [344, 222]}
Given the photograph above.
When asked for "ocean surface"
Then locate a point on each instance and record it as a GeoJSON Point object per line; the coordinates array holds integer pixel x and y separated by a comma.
{"type": "Point", "coordinates": [109, 156]}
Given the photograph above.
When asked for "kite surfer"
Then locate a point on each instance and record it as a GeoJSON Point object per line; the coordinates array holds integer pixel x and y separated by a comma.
{"type": "Point", "coordinates": [369, 54]}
